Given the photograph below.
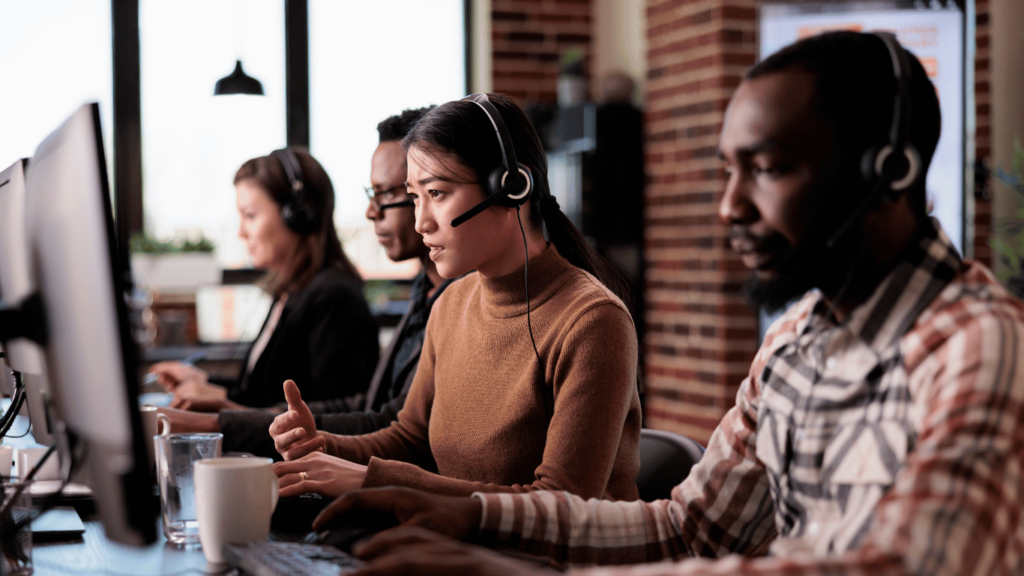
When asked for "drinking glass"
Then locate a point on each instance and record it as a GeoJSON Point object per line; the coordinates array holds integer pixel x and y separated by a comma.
{"type": "Point", "coordinates": [176, 455]}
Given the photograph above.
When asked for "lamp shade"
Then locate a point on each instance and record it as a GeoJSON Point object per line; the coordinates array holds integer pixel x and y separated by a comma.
{"type": "Point", "coordinates": [238, 82]}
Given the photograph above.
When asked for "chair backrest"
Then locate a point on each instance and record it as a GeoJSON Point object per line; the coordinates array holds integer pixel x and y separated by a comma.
{"type": "Point", "coordinates": [665, 461]}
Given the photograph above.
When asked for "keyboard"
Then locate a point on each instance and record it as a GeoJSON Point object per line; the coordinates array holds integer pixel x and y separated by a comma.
{"type": "Point", "coordinates": [289, 559]}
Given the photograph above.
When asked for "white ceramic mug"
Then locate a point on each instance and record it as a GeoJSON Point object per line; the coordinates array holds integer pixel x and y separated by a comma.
{"type": "Point", "coordinates": [6, 460]}
{"type": "Point", "coordinates": [27, 458]}
{"type": "Point", "coordinates": [153, 424]}
{"type": "Point", "coordinates": [235, 498]}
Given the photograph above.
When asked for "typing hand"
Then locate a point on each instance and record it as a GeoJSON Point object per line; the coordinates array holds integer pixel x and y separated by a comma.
{"type": "Point", "coordinates": [452, 516]}
{"type": "Point", "coordinates": [200, 396]}
{"type": "Point", "coordinates": [171, 374]}
{"type": "Point", "coordinates": [184, 421]}
{"type": "Point", "coordinates": [294, 432]}
{"type": "Point", "coordinates": [318, 473]}
{"type": "Point", "coordinates": [414, 550]}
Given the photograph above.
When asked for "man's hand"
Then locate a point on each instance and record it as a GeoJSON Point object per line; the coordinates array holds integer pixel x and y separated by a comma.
{"type": "Point", "coordinates": [205, 404]}
{"type": "Point", "coordinates": [201, 396]}
{"type": "Point", "coordinates": [294, 432]}
{"type": "Point", "coordinates": [171, 374]}
{"type": "Point", "coordinates": [404, 550]}
{"type": "Point", "coordinates": [452, 516]}
{"type": "Point", "coordinates": [185, 421]}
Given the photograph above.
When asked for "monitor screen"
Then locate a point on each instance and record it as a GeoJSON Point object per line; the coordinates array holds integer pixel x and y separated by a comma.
{"type": "Point", "coordinates": [16, 284]}
{"type": "Point", "coordinates": [15, 279]}
{"type": "Point", "coordinates": [91, 359]}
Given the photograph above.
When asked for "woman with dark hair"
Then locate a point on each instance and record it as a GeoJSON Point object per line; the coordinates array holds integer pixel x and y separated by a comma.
{"type": "Point", "coordinates": [528, 375]}
{"type": "Point", "coordinates": [319, 331]}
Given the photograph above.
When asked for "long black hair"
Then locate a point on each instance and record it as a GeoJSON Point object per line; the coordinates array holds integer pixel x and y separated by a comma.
{"type": "Point", "coordinates": [461, 129]}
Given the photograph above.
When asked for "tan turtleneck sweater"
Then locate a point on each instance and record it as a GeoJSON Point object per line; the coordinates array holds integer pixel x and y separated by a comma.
{"type": "Point", "coordinates": [489, 419]}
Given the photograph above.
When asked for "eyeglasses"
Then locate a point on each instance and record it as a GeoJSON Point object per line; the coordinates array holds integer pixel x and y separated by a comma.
{"type": "Point", "coordinates": [393, 197]}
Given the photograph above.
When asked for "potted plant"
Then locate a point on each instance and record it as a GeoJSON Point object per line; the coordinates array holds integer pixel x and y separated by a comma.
{"type": "Point", "coordinates": [179, 265]}
{"type": "Point", "coordinates": [1009, 239]}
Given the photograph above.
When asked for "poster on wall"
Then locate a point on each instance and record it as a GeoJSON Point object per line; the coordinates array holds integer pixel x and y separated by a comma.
{"type": "Point", "coordinates": [932, 31]}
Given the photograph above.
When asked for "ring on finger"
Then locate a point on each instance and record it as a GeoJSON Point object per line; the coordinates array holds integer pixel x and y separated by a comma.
{"type": "Point", "coordinates": [303, 476]}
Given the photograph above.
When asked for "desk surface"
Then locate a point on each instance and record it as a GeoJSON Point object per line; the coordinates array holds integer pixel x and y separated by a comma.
{"type": "Point", "coordinates": [95, 554]}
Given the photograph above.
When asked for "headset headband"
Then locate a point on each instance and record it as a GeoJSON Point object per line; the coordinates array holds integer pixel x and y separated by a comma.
{"type": "Point", "coordinates": [873, 162]}
{"type": "Point", "coordinates": [514, 184]}
{"type": "Point", "coordinates": [292, 169]}
{"type": "Point", "coordinates": [297, 213]}
{"type": "Point", "coordinates": [508, 152]}
{"type": "Point", "coordinates": [901, 107]}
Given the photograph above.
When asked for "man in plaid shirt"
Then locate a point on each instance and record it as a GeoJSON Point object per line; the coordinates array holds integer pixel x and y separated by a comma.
{"type": "Point", "coordinates": [881, 427]}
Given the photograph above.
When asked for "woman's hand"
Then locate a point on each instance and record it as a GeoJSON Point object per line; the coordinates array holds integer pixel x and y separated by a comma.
{"type": "Point", "coordinates": [294, 432]}
{"type": "Point", "coordinates": [319, 473]}
{"type": "Point", "coordinates": [185, 421]}
{"type": "Point", "coordinates": [172, 374]}
{"type": "Point", "coordinates": [457, 517]}
{"type": "Point", "coordinates": [402, 551]}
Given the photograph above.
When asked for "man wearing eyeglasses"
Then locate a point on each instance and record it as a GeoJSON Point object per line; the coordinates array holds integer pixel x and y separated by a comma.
{"type": "Point", "coordinates": [394, 223]}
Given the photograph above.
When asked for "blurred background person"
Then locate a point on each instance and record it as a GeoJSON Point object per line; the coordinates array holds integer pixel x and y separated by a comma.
{"type": "Point", "coordinates": [319, 332]}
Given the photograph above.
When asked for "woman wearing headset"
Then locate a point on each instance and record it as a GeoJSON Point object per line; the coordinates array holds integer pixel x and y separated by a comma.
{"type": "Point", "coordinates": [319, 331]}
{"type": "Point", "coordinates": [504, 399]}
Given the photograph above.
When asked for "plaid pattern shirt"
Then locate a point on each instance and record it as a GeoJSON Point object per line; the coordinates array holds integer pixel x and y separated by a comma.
{"type": "Point", "coordinates": [890, 444]}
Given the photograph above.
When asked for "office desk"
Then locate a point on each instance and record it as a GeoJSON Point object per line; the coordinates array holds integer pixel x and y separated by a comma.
{"type": "Point", "coordinates": [95, 554]}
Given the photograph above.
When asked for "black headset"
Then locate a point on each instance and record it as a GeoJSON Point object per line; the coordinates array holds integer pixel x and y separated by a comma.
{"type": "Point", "coordinates": [889, 174]}
{"type": "Point", "coordinates": [296, 212]}
{"type": "Point", "coordinates": [506, 187]}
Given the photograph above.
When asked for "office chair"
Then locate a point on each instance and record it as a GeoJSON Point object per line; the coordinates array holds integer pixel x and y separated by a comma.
{"type": "Point", "coordinates": [665, 461]}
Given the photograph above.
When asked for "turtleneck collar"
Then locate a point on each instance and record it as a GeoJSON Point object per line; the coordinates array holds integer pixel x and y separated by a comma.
{"type": "Point", "coordinates": [505, 296]}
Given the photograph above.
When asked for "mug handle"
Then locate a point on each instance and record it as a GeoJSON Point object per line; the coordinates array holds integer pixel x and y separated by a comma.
{"type": "Point", "coordinates": [273, 489]}
{"type": "Point", "coordinates": [163, 425]}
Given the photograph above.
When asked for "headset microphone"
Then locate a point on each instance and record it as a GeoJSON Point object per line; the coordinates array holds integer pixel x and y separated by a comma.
{"type": "Point", "coordinates": [510, 183]}
{"type": "Point", "coordinates": [889, 174]}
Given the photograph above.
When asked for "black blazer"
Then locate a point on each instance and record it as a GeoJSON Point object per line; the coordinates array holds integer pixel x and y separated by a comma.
{"type": "Point", "coordinates": [326, 341]}
{"type": "Point", "coordinates": [248, 430]}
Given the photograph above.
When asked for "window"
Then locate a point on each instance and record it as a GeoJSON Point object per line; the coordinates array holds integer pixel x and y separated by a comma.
{"type": "Point", "coordinates": [368, 61]}
{"type": "Point", "coordinates": [55, 56]}
{"type": "Point", "coordinates": [194, 142]}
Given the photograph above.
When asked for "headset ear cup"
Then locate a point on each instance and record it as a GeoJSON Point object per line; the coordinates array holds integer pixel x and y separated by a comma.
{"type": "Point", "coordinates": [529, 182]}
{"type": "Point", "coordinates": [299, 218]}
{"type": "Point", "coordinates": [867, 164]}
{"type": "Point", "coordinates": [494, 180]}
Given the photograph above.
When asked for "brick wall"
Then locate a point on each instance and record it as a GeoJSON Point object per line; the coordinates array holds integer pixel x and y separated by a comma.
{"type": "Point", "coordinates": [983, 131]}
{"type": "Point", "coordinates": [528, 37]}
{"type": "Point", "coordinates": [701, 336]}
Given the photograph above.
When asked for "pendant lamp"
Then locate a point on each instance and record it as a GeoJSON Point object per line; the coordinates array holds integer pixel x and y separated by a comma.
{"type": "Point", "coordinates": [238, 82]}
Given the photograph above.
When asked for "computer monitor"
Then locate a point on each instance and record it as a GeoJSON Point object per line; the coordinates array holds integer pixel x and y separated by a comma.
{"type": "Point", "coordinates": [16, 284]}
{"type": "Point", "coordinates": [91, 359]}
{"type": "Point", "coordinates": [15, 278]}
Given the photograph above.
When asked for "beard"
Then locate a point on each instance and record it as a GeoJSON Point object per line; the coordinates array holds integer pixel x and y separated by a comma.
{"type": "Point", "coordinates": [811, 265]}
